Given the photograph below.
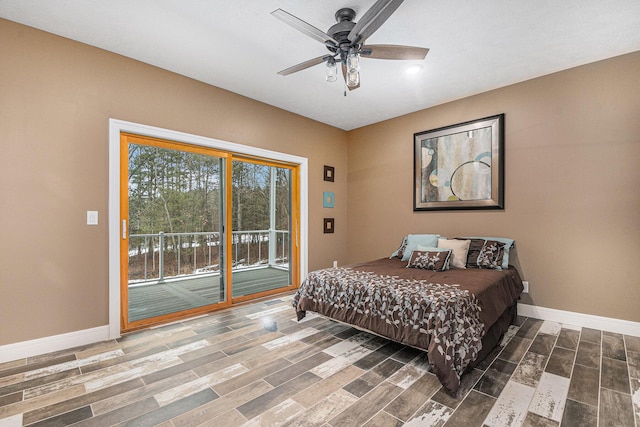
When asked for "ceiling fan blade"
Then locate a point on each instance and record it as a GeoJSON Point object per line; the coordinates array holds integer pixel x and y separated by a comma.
{"type": "Point", "coordinates": [344, 74]}
{"type": "Point", "coordinates": [304, 65]}
{"type": "Point", "coordinates": [302, 26]}
{"type": "Point", "coordinates": [390, 51]}
{"type": "Point", "coordinates": [373, 19]}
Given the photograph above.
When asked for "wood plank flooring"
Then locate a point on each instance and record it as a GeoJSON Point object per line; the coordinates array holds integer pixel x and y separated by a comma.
{"type": "Point", "coordinates": [255, 365]}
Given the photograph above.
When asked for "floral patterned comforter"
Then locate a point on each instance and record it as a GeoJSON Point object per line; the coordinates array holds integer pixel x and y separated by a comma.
{"type": "Point", "coordinates": [444, 319]}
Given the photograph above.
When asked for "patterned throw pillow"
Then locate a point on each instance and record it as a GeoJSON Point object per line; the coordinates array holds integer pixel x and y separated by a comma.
{"type": "Point", "coordinates": [491, 255]}
{"type": "Point", "coordinates": [508, 245]}
{"type": "Point", "coordinates": [485, 254]}
{"type": "Point", "coordinates": [400, 251]}
{"type": "Point", "coordinates": [403, 247]}
{"type": "Point", "coordinates": [430, 260]}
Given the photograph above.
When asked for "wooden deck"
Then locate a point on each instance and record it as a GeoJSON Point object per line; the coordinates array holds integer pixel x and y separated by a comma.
{"type": "Point", "coordinates": [156, 299]}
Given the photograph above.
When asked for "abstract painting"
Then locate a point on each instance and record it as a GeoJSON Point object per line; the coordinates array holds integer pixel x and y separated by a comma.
{"type": "Point", "coordinates": [460, 166]}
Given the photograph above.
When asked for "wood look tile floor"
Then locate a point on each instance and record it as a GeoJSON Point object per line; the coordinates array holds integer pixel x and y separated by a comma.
{"type": "Point", "coordinates": [255, 365]}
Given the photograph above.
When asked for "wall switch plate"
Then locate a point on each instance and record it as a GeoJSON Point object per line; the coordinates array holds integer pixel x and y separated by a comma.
{"type": "Point", "coordinates": [526, 286]}
{"type": "Point", "coordinates": [92, 217]}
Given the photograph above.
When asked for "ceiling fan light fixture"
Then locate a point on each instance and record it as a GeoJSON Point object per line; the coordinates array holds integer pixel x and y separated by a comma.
{"type": "Point", "coordinates": [353, 61]}
{"type": "Point", "coordinates": [332, 70]}
{"type": "Point", "coordinates": [346, 41]}
{"type": "Point", "coordinates": [353, 79]}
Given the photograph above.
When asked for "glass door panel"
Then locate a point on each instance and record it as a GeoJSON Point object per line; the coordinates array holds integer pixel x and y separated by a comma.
{"type": "Point", "coordinates": [261, 218]}
{"type": "Point", "coordinates": [175, 250]}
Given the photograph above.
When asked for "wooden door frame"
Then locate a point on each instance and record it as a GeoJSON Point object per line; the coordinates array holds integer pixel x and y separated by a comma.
{"type": "Point", "coordinates": [117, 127]}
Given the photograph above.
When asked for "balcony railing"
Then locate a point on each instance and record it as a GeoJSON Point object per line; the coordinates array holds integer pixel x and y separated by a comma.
{"type": "Point", "coordinates": [156, 257]}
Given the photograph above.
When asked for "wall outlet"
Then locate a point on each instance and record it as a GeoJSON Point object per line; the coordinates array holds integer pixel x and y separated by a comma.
{"type": "Point", "coordinates": [335, 264]}
{"type": "Point", "coordinates": [526, 286]}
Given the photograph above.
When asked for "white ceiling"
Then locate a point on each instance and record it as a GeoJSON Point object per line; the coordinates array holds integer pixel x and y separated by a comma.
{"type": "Point", "coordinates": [237, 45]}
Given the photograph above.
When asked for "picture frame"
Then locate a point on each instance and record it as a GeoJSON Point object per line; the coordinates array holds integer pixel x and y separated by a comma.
{"type": "Point", "coordinates": [329, 225]}
{"type": "Point", "coordinates": [328, 199]}
{"type": "Point", "coordinates": [329, 173]}
{"type": "Point", "coordinates": [460, 166]}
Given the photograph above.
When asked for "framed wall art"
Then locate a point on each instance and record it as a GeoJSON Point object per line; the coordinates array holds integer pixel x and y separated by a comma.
{"type": "Point", "coordinates": [328, 199]}
{"type": "Point", "coordinates": [329, 173]}
{"type": "Point", "coordinates": [329, 225]}
{"type": "Point", "coordinates": [460, 166]}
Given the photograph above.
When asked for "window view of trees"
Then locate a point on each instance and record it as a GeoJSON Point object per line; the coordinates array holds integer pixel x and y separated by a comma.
{"type": "Point", "coordinates": [172, 191]}
{"type": "Point", "coordinates": [174, 212]}
{"type": "Point", "coordinates": [252, 198]}
{"type": "Point", "coordinates": [176, 203]}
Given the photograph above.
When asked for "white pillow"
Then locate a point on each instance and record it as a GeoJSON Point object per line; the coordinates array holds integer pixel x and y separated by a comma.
{"type": "Point", "coordinates": [459, 250]}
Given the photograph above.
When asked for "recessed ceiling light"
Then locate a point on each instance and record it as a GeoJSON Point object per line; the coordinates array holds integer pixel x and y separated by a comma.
{"type": "Point", "coordinates": [414, 68]}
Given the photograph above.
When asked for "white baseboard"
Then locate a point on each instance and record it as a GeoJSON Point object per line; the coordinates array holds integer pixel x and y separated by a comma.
{"type": "Point", "coordinates": [44, 345]}
{"type": "Point", "coordinates": [578, 319]}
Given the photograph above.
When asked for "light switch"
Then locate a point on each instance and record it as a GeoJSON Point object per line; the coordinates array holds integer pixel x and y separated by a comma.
{"type": "Point", "coordinates": [92, 217]}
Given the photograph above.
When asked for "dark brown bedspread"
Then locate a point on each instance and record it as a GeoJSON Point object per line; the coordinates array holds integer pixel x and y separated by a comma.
{"type": "Point", "coordinates": [445, 313]}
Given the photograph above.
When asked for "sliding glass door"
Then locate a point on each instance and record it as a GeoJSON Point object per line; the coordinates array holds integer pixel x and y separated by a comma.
{"type": "Point", "coordinates": [201, 229]}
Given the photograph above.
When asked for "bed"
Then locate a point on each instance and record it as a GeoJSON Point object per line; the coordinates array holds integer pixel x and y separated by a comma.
{"type": "Point", "coordinates": [456, 314]}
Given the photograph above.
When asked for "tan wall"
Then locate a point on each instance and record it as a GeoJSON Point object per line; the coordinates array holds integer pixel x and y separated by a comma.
{"type": "Point", "coordinates": [572, 185]}
{"type": "Point", "coordinates": [56, 97]}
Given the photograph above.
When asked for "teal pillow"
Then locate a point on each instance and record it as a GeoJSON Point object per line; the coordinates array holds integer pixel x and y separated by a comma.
{"type": "Point", "coordinates": [413, 240]}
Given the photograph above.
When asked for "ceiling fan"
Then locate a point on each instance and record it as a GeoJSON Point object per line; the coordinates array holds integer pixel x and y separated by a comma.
{"type": "Point", "coordinates": [346, 41]}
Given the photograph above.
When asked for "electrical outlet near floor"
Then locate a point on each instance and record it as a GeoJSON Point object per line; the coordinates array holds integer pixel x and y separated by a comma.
{"type": "Point", "coordinates": [526, 286]}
